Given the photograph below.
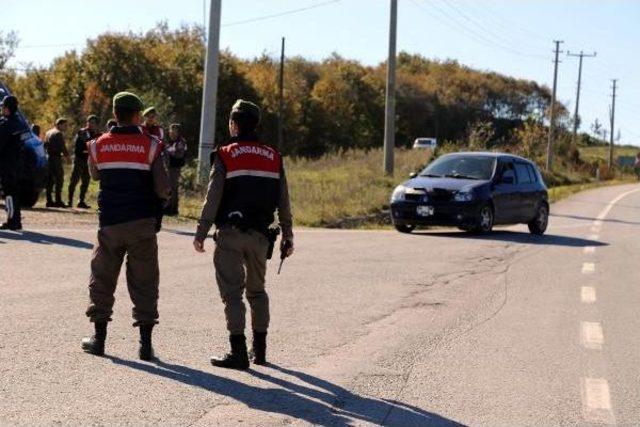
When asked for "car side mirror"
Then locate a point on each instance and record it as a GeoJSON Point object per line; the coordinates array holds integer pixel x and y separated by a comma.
{"type": "Point", "coordinates": [413, 175]}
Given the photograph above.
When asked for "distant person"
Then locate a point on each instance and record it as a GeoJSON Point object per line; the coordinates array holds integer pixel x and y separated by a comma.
{"type": "Point", "coordinates": [151, 125]}
{"type": "Point", "coordinates": [111, 123]}
{"type": "Point", "coordinates": [247, 185]}
{"type": "Point", "coordinates": [56, 149]}
{"type": "Point", "coordinates": [176, 149]}
{"type": "Point", "coordinates": [35, 129]}
{"type": "Point", "coordinates": [636, 165]}
{"type": "Point", "coordinates": [80, 167]}
{"type": "Point", "coordinates": [130, 167]}
{"type": "Point", "coordinates": [12, 130]}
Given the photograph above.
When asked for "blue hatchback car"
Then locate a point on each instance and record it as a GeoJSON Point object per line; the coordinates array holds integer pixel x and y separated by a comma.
{"type": "Point", "coordinates": [473, 191]}
{"type": "Point", "coordinates": [33, 167]}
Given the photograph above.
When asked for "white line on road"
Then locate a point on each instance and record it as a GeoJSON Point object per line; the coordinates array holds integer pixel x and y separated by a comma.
{"type": "Point", "coordinates": [588, 294]}
{"type": "Point", "coordinates": [596, 401]}
{"type": "Point", "coordinates": [589, 249]}
{"type": "Point", "coordinates": [595, 229]}
{"type": "Point", "coordinates": [591, 335]}
{"type": "Point", "coordinates": [588, 267]}
{"type": "Point", "coordinates": [593, 237]}
{"type": "Point", "coordinates": [603, 214]}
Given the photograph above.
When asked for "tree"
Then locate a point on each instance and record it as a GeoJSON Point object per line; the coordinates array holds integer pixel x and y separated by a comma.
{"type": "Point", "coordinates": [8, 45]}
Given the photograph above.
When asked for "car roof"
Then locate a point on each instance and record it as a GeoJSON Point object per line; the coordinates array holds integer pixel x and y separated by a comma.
{"type": "Point", "coordinates": [491, 154]}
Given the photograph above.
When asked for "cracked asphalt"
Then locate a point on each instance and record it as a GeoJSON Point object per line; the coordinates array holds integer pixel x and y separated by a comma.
{"type": "Point", "coordinates": [368, 328]}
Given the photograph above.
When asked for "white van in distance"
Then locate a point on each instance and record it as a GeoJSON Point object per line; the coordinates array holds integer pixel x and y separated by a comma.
{"type": "Point", "coordinates": [425, 143]}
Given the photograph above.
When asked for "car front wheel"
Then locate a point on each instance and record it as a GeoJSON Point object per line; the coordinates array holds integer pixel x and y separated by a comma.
{"type": "Point", "coordinates": [403, 228]}
{"type": "Point", "coordinates": [485, 220]}
{"type": "Point", "coordinates": [538, 225]}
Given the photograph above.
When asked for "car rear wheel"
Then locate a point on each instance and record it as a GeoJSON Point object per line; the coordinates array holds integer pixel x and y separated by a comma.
{"type": "Point", "coordinates": [539, 224]}
{"type": "Point", "coordinates": [404, 228]}
{"type": "Point", "coordinates": [485, 220]}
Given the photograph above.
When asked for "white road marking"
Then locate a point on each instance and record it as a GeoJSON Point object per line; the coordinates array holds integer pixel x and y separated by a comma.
{"type": "Point", "coordinates": [595, 229]}
{"type": "Point", "coordinates": [603, 214]}
{"type": "Point", "coordinates": [593, 237]}
{"type": "Point", "coordinates": [591, 335]}
{"type": "Point", "coordinates": [596, 401]}
{"type": "Point", "coordinates": [597, 223]}
{"type": "Point", "coordinates": [589, 249]}
{"type": "Point", "coordinates": [588, 294]}
{"type": "Point", "coordinates": [588, 267]}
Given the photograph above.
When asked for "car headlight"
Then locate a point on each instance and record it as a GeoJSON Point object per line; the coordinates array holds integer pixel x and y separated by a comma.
{"type": "Point", "coordinates": [463, 196]}
{"type": "Point", "coordinates": [398, 193]}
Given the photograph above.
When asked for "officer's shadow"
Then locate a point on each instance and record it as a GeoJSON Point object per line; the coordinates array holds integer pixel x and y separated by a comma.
{"type": "Point", "coordinates": [317, 402]}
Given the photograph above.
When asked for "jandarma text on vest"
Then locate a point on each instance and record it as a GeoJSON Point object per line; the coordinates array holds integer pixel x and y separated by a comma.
{"type": "Point", "coordinates": [252, 149]}
{"type": "Point", "coordinates": [130, 148]}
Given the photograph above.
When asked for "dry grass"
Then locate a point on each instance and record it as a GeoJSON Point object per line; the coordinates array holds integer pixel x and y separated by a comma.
{"type": "Point", "coordinates": [327, 190]}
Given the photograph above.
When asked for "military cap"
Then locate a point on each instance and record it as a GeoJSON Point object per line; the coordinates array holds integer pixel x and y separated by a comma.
{"type": "Point", "coordinates": [149, 110]}
{"type": "Point", "coordinates": [92, 118]}
{"type": "Point", "coordinates": [60, 120]}
{"type": "Point", "coordinates": [127, 101]}
{"type": "Point", "coordinates": [11, 102]}
{"type": "Point", "coordinates": [247, 107]}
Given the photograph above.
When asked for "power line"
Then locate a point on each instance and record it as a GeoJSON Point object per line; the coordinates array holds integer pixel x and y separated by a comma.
{"type": "Point", "coordinates": [279, 14]}
{"type": "Point", "coordinates": [504, 22]}
{"type": "Point", "coordinates": [453, 23]}
{"type": "Point", "coordinates": [228, 24]}
{"type": "Point", "coordinates": [481, 27]}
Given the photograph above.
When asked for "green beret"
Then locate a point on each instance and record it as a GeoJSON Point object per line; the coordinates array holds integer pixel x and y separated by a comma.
{"type": "Point", "coordinates": [149, 110]}
{"type": "Point", "coordinates": [128, 101]}
{"type": "Point", "coordinates": [60, 120]}
{"type": "Point", "coordinates": [247, 107]}
{"type": "Point", "coordinates": [92, 118]}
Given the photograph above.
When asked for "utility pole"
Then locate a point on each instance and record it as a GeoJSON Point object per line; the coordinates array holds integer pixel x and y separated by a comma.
{"type": "Point", "coordinates": [390, 103]}
{"type": "Point", "coordinates": [209, 92]}
{"type": "Point", "coordinates": [613, 116]}
{"type": "Point", "coordinates": [581, 55]}
{"type": "Point", "coordinates": [281, 98]}
{"type": "Point", "coordinates": [552, 117]}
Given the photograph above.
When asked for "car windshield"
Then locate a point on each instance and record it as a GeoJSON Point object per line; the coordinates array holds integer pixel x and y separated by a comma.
{"type": "Point", "coordinates": [461, 167]}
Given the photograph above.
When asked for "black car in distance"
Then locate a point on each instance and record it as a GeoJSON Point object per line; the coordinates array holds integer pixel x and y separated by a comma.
{"type": "Point", "coordinates": [473, 191]}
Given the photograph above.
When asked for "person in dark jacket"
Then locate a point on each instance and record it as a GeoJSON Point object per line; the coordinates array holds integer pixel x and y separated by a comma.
{"type": "Point", "coordinates": [12, 133]}
{"type": "Point", "coordinates": [246, 186]}
{"type": "Point", "coordinates": [176, 149]}
{"type": "Point", "coordinates": [131, 169]}
{"type": "Point", "coordinates": [56, 148]}
{"type": "Point", "coordinates": [80, 162]}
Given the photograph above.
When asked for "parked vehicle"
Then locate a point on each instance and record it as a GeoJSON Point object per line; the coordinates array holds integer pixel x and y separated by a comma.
{"type": "Point", "coordinates": [421, 143]}
{"type": "Point", "coordinates": [473, 191]}
{"type": "Point", "coordinates": [33, 163]}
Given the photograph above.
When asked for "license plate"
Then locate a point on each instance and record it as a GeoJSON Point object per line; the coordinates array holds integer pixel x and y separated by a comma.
{"type": "Point", "coordinates": [425, 210]}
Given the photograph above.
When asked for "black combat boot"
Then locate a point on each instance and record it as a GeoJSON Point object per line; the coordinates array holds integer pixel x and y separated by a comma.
{"type": "Point", "coordinates": [146, 349]}
{"type": "Point", "coordinates": [95, 344]}
{"type": "Point", "coordinates": [83, 205]}
{"type": "Point", "coordinates": [238, 358]}
{"type": "Point", "coordinates": [259, 350]}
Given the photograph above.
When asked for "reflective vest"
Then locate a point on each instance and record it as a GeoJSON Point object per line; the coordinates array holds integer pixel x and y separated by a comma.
{"type": "Point", "coordinates": [123, 157]}
{"type": "Point", "coordinates": [252, 185]}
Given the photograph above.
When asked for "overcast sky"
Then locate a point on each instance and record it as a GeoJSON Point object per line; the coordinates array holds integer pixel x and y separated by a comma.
{"type": "Point", "coordinates": [513, 37]}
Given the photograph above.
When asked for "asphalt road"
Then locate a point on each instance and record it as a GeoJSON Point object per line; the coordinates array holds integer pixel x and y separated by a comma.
{"type": "Point", "coordinates": [369, 327]}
